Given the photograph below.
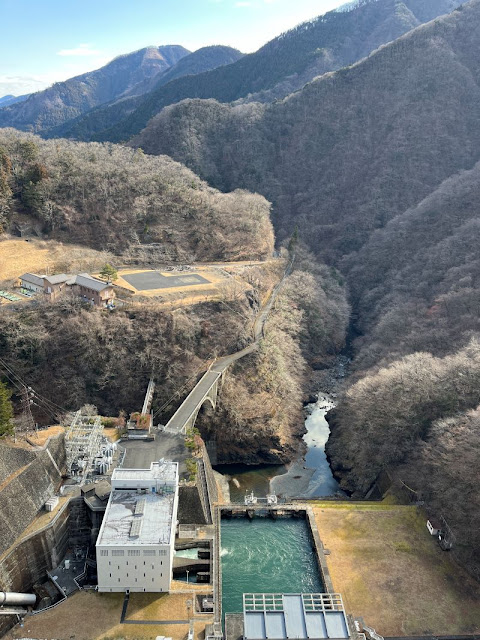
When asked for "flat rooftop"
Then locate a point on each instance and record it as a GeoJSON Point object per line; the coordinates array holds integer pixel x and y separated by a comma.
{"type": "Point", "coordinates": [135, 519]}
{"type": "Point", "coordinates": [289, 616]}
{"type": "Point", "coordinates": [163, 471]}
{"type": "Point", "coordinates": [141, 454]}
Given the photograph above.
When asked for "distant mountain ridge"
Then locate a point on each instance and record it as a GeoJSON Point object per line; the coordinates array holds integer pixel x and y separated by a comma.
{"type": "Point", "coordinates": [104, 116]}
{"type": "Point", "coordinates": [282, 66]}
{"type": "Point", "coordinates": [285, 64]}
{"type": "Point", "coordinates": [66, 100]}
{"type": "Point", "coordinates": [10, 99]}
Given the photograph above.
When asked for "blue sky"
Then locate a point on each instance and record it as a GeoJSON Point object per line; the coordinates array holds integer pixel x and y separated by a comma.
{"type": "Point", "coordinates": [43, 41]}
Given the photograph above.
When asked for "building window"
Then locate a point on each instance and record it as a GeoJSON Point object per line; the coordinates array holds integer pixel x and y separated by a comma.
{"type": "Point", "coordinates": [162, 552]}
{"type": "Point", "coordinates": [118, 552]}
{"type": "Point", "coordinates": [149, 552]}
{"type": "Point", "coordinates": [103, 552]}
{"type": "Point", "coordinates": [119, 579]}
{"type": "Point", "coordinates": [134, 552]}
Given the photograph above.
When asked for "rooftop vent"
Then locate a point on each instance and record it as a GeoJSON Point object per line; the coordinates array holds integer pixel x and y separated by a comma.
{"type": "Point", "coordinates": [140, 507]}
{"type": "Point", "coordinates": [136, 528]}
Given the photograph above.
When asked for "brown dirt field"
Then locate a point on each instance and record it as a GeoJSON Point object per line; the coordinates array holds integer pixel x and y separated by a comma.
{"type": "Point", "coordinates": [391, 572]}
{"type": "Point", "coordinates": [17, 256]}
{"type": "Point", "coordinates": [95, 616]}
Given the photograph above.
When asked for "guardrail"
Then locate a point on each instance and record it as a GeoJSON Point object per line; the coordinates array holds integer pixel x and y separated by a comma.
{"type": "Point", "coordinates": [217, 568]}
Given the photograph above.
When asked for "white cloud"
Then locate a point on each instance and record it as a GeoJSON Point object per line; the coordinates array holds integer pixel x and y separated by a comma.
{"type": "Point", "coordinates": [81, 50]}
{"type": "Point", "coordinates": [243, 3]}
{"type": "Point", "coordinates": [19, 85]}
{"type": "Point", "coordinates": [69, 68]}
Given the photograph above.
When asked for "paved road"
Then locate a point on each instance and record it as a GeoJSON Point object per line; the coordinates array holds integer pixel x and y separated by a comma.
{"type": "Point", "coordinates": [196, 397]}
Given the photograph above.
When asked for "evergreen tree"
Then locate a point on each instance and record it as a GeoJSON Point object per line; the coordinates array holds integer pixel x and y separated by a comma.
{"type": "Point", "coordinates": [109, 273]}
{"type": "Point", "coordinates": [6, 411]}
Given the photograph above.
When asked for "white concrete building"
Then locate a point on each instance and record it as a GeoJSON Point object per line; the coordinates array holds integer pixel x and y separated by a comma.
{"type": "Point", "coordinates": [136, 543]}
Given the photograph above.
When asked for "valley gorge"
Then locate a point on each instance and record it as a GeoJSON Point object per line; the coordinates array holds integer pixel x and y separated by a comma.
{"type": "Point", "coordinates": [360, 156]}
{"type": "Point", "coordinates": [376, 166]}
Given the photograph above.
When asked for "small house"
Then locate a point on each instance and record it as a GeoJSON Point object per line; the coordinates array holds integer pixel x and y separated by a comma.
{"type": "Point", "coordinates": [55, 285]}
{"type": "Point", "coordinates": [100, 294]}
{"type": "Point", "coordinates": [32, 282]}
{"type": "Point", "coordinates": [434, 527]}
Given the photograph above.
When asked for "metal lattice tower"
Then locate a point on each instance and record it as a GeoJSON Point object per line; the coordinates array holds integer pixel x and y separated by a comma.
{"type": "Point", "coordinates": [26, 423]}
{"type": "Point", "coordinates": [82, 441]}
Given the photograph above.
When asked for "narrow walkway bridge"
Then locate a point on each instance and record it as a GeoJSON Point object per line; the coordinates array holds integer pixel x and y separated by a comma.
{"type": "Point", "coordinates": [207, 388]}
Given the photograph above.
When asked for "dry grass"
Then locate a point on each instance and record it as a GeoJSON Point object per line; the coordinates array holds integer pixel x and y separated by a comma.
{"type": "Point", "coordinates": [40, 438]}
{"type": "Point", "coordinates": [18, 256]}
{"type": "Point", "coordinates": [34, 439]}
{"type": "Point", "coordinates": [392, 572]}
{"type": "Point", "coordinates": [92, 616]}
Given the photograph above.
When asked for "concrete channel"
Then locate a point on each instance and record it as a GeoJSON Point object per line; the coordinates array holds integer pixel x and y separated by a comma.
{"type": "Point", "coordinates": [298, 511]}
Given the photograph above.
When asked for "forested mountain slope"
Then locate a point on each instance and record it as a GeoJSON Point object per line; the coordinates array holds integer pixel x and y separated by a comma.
{"type": "Point", "coordinates": [417, 280]}
{"type": "Point", "coordinates": [285, 64]}
{"type": "Point", "coordinates": [354, 148]}
{"type": "Point", "coordinates": [112, 197]}
{"type": "Point", "coordinates": [66, 100]}
{"type": "Point", "coordinates": [105, 116]}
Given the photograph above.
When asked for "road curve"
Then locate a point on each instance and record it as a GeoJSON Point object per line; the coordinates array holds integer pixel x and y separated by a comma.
{"type": "Point", "coordinates": [197, 395]}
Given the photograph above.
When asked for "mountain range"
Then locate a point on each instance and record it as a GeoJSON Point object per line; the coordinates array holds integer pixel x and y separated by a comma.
{"type": "Point", "coordinates": [286, 63]}
{"type": "Point", "coordinates": [283, 65]}
{"type": "Point", "coordinates": [125, 77]}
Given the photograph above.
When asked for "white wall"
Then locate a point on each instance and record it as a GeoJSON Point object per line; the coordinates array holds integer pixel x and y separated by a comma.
{"type": "Point", "coordinates": [30, 286]}
{"type": "Point", "coordinates": [136, 569]}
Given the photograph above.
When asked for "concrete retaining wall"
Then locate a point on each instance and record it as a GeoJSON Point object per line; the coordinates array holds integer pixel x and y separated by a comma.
{"type": "Point", "coordinates": [195, 503]}
{"type": "Point", "coordinates": [30, 478]}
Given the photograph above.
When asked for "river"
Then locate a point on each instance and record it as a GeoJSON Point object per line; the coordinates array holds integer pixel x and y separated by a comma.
{"type": "Point", "coordinates": [308, 477]}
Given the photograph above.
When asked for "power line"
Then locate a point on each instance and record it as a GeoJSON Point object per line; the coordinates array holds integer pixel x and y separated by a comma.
{"type": "Point", "coordinates": [47, 405]}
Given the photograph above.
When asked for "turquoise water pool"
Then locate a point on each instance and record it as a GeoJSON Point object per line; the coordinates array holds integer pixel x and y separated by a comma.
{"type": "Point", "coordinates": [264, 555]}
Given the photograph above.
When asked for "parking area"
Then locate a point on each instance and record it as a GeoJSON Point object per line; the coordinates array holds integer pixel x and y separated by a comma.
{"type": "Point", "coordinates": [151, 280]}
